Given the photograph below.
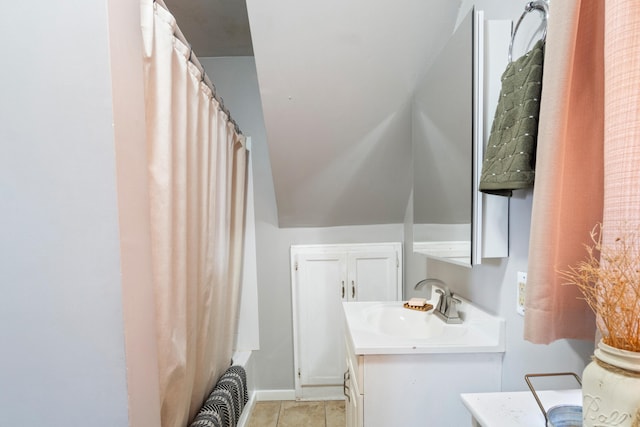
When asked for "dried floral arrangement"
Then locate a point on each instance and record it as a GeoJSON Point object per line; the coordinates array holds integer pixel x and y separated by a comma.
{"type": "Point", "coordinates": [609, 279]}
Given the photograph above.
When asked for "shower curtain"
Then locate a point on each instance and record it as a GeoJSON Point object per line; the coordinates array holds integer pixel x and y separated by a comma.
{"type": "Point", "coordinates": [197, 174]}
{"type": "Point", "coordinates": [588, 154]}
{"type": "Point", "coordinates": [622, 119]}
{"type": "Point", "coordinates": [567, 195]}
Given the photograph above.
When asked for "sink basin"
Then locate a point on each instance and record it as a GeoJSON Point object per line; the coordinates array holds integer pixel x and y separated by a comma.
{"type": "Point", "coordinates": [386, 327]}
{"type": "Point", "coordinates": [396, 320]}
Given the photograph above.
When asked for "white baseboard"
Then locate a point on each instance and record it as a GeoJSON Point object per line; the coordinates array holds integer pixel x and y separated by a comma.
{"type": "Point", "coordinates": [321, 393]}
{"type": "Point", "coordinates": [263, 395]}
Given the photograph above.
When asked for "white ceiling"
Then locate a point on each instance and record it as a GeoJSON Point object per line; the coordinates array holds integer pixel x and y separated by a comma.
{"type": "Point", "coordinates": [336, 79]}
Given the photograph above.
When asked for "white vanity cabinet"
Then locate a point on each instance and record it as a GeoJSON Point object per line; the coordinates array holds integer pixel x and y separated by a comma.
{"type": "Point", "coordinates": [322, 277]}
{"type": "Point", "coordinates": [416, 389]}
{"type": "Point", "coordinates": [410, 370]}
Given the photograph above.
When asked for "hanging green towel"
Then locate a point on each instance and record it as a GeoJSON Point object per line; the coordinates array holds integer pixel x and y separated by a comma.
{"type": "Point", "coordinates": [509, 159]}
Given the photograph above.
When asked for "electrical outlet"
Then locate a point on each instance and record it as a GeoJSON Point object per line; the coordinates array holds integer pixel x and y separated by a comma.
{"type": "Point", "coordinates": [522, 283]}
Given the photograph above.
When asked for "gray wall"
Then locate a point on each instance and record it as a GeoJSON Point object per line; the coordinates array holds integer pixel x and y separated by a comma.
{"type": "Point", "coordinates": [61, 328]}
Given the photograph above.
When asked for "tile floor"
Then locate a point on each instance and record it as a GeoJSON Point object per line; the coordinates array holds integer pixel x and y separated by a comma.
{"type": "Point", "coordinates": [289, 413]}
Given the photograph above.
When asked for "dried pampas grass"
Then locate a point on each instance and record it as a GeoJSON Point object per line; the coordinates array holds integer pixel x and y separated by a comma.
{"type": "Point", "coordinates": [609, 279]}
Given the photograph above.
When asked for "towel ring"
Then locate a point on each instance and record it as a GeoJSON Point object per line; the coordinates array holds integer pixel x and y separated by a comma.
{"type": "Point", "coordinates": [539, 5]}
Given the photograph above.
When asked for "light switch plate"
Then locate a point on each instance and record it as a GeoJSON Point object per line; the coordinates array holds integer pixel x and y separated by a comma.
{"type": "Point", "coordinates": [522, 283]}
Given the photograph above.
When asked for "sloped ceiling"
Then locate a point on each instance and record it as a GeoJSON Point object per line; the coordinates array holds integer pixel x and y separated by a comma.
{"type": "Point", "coordinates": [336, 79]}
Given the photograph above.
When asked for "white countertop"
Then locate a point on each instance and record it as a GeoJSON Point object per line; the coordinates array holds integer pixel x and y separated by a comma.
{"type": "Point", "coordinates": [516, 409]}
{"type": "Point", "coordinates": [387, 328]}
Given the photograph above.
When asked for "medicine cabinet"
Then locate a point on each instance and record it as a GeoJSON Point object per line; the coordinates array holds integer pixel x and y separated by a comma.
{"type": "Point", "coordinates": [452, 109]}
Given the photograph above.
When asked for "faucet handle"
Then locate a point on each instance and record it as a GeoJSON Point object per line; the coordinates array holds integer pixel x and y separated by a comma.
{"type": "Point", "coordinates": [452, 309]}
{"type": "Point", "coordinates": [441, 301]}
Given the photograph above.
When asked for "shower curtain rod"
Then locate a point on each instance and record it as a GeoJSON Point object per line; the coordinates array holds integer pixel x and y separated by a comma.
{"type": "Point", "coordinates": [204, 78]}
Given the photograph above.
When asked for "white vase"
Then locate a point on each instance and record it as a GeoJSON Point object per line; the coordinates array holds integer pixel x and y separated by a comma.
{"type": "Point", "coordinates": [611, 388]}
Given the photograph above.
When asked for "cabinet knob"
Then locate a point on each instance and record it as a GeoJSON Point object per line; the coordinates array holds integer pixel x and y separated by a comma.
{"type": "Point", "coordinates": [353, 289]}
{"type": "Point", "coordinates": [343, 289]}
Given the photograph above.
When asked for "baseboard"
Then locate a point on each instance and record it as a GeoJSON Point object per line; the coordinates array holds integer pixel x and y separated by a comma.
{"type": "Point", "coordinates": [263, 395]}
{"type": "Point", "coordinates": [323, 392]}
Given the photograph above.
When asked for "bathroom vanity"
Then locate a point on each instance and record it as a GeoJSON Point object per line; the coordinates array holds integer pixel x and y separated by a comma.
{"type": "Point", "coordinates": [408, 368]}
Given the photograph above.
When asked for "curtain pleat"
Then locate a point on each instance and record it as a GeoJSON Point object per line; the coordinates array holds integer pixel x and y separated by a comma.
{"type": "Point", "coordinates": [197, 169]}
{"type": "Point", "coordinates": [568, 193]}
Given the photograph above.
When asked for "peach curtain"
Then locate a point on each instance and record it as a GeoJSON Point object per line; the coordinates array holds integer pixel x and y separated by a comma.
{"type": "Point", "coordinates": [568, 192]}
{"type": "Point", "coordinates": [588, 154]}
{"type": "Point", "coordinates": [622, 117]}
{"type": "Point", "coordinates": [197, 170]}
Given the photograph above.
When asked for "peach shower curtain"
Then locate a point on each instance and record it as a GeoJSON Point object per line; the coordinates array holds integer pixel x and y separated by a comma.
{"type": "Point", "coordinates": [588, 154]}
{"type": "Point", "coordinates": [622, 117]}
{"type": "Point", "coordinates": [197, 170]}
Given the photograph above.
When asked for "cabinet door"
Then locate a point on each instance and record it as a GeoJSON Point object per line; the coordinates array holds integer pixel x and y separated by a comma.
{"type": "Point", "coordinates": [319, 279]}
{"type": "Point", "coordinates": [349, 407]}
{"type": "Point", "coordinates": [353, 408]}
{"type": "Point", "coordinates": [354, 399]}
{"type": "Point", "coordinates": [358, 408]}
{"type": "Point", "coordinates": [374, 274]}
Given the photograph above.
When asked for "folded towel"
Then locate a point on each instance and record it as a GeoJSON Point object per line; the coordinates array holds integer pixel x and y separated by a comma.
{"type": "Point", "coordinates": [509, 160]}
{"type": "Point", "coordinates": [216, 412]}
{"type": "Point", "coordinates": [226, 402]}
{"type": "Point", "coordinates": [234, 382]}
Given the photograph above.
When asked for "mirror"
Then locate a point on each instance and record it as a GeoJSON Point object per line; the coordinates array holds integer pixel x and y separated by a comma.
{"type": "Point", "coordinates": [442, 138]}
{"type": "Point", "coordinates": [453, 109]}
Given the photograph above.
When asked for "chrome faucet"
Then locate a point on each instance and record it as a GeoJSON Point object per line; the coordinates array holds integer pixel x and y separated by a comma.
{"type": "Point", "coordinates": [424, 282]}
{"type": "Point", "coordinates": [446, 308]}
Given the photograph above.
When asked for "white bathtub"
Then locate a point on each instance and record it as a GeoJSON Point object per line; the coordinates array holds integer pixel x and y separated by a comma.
{"type": "Point", "coordinates": [244, 359]}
